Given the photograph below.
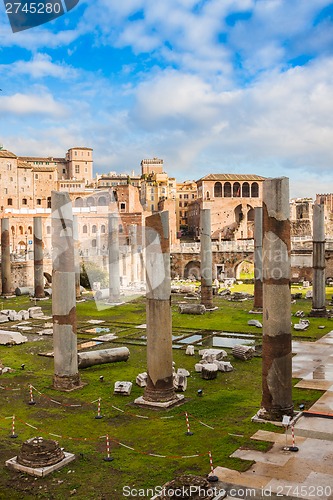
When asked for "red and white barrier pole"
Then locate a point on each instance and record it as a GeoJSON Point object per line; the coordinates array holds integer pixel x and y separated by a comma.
{"type": "Point", "coordinates": [99, 409]}
{"type": "Point", "coordinates": [108, 457]}
{"type": "Point", "coordinates": [31, 400]}
{"type": "Point", "coordinates": [293, 447]}
{"type": "Point", "coordinates": [211, 477]}
{"type": "Point", "coordinates": [188, 433]}
{"type": "Point", "coordinates": [13, 435]}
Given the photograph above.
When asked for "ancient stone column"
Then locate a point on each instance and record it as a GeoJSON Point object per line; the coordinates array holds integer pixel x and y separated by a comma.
{"type": "Point", "coordinates": [5, 259]}
{"type": "Point", "coordinates": [258, 257]}
{"type": "Point", "coordinates": [134, 254]}
{"type": "Point", "coordinates": [76, 257]}
{"type": "Point", "coordinates": [38, 259]}
{"type": "Point", "coordinates": [276, 349]}
{"type": "Point", "coordinates": [66, 374]}
{"type": "Point", "coordinates": [318, 262]}
{"type": "Point", "coordinates": [159, 391]}
{"type": "Point", "coordinates": [114, 277]}
{"type": "Point", "coordinates": [206, 259]}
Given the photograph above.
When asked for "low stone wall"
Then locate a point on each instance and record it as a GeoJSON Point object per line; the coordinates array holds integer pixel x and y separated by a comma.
{"type": "Point", "coordinates": [23, 272]}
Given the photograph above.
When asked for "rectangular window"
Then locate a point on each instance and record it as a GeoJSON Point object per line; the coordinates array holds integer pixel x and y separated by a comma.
{"type": "Point", "coordinates": [152, 198]}
{"type": "Point", "coordinates": [36, 176]}
{"type": "Point", "coordinates": [63, 170]}
{"type": "Point", "coordinates": [50, 177]}
{"type": "Point", "coordinates": [122, 207]}
{"type": "Point", "coordinates": [39, 201]}
{"type": "Point", "coordinates": [186, 196]}
{"type": "Point", "coordinates": [77, 169]}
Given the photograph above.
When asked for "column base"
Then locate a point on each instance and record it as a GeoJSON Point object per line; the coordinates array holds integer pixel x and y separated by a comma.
{"type": "Point", "coordinates": [178, 399]}
{"type": "Point", "coordinates": [67, 383]}
{"type": "Point", "coordinates": [318, 313]}
{"type": "Point", "coordinates": [273, 414]}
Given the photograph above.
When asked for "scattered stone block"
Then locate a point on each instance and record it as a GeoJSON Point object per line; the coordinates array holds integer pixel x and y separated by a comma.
{"type": "Point", "coordinates": [191, 309]}
{"type": "Point", "coordinates": [14, 316]}
{"type": "Point", "coordinates": [24, 314]}
{"type": "Point", "coordinates": [3, 318]}
{"type": "Point", "coordinates": [198, 367]}
{"type": "Point", "coordinates": [243, 352]}
{"type": "Point", "coordinates": [187, 288]}
{"type": "Point", "coordinates": [209, 371]}
{"type": "Point", "coordinates": [214, 353]}
{"type": "Point", "coordinates": [11, 338]}
{"type": "Point", "coordinates": [190, 350]}
{"type": "Point", "coordinates": [254, 322]}
{"type": "Point", "coordinates": [141, 379]}
{"type": "Point", "coordinates": [35, 312]}
{"type": "Point", "coordinates": [5, 369]}
{"type": "Point", "coordinates": [309, 294]}
{"type": "Point", "coordinates": [299, 314]}
{"type": "Point", "coordinates": [183, 371]}
{"type": "Point", "coordinates": [180, 382]}
{"type": "Point", "coordinates": [122, 388]}
{"type": "Point", "coordinates": [224, 366]}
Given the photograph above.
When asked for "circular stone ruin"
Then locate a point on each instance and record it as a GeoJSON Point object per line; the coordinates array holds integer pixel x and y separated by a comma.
{"type": "Point", "coordinates": [187, 487]}
{"type": "Point", "coordinates": [38, 452]}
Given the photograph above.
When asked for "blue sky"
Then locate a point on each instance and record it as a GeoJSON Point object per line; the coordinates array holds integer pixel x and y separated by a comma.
{"type": "Point", "coordinates": [209, 86]}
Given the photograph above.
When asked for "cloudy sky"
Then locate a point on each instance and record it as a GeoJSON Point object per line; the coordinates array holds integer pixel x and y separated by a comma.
{"type": "Point", "coordinates": [234, 86]}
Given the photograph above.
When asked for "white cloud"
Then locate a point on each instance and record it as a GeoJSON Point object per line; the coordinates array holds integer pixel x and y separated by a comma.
{"type": "Point", "coordinates": [31, 104]}
{"type": "Point", "coordinates": [40, 66]}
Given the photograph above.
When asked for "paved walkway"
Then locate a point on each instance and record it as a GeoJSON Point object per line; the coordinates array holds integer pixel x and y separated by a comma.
{"type": "Point", "coordinates": [285, 474]}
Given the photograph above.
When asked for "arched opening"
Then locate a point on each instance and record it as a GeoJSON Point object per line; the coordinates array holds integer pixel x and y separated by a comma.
{"type": "Point", "coordinates": [192, 270]}
{"type": "Point", "coordinates": [49, 202]}
{"type": "Point", "coordinates": [102, 202]}
{"type": "Point", "coordinates": [90, 202]}
{"type": "Point", "coordinates": [85, 229]}
{"type": "Point", "coordinates": [246, 190]}
{"type": "Point", "coordinates": [244, 270]}
{"type": "Point", "coordinates": [94, 229]}
{"type": "Point", "coordinates": [239, 216]}
{"type": "Point", "coordinates": [254, 190]}
{"type": "Point", "coordinates": [93, 243]}
{"type": "Point", "coordinates": [207, 195]}
{"type": "Point", "coordinates": [236, 190]}
{"type": "Point", "coordinates": [250, 215]}
{"type": "Point", "coordinates": [227, 190]}
{"type": "Point", "coordinates": [218, 190]}
{"type": "Point", "coordinates": [20, 229]}
{"type": "Point", "coordinates": [30, 229]}
{"type": "Point", "coordinates": [103, 229]}
{"type": "Point", "coordinates": [79, 202]}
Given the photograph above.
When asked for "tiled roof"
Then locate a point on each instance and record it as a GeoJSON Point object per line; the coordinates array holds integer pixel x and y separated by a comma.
{"type": "Point", "coordinates": [78, 147]}
{"type": "Point", "coordinates": [43, 168]}
{"type": "Point", "coordinates": [232, 177]}
{"type": "Point", "coordinates": [23, 164]}
{"type": "Point", "coordinates": [6, 154]}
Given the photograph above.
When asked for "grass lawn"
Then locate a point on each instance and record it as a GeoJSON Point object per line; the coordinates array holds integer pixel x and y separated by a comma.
{"type": "Point", "coordinates": [220, 419]}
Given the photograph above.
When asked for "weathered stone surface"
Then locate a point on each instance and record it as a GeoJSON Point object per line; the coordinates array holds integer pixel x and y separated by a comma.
{"type": "Point", "coordinates": [35, 312]}
{"type": "Point", "coordinates": [198, 367]}
{"type": "Point", "coordinates": [299, 314]}
{"type": "Point", "coordinates": [191, 309]}
{"type": "Point", "coordinates": [141, 379]}
{"type": "Point", "coordinates": [243, 352]}
{"type": "Point", "coordinates": [318, 262]}
{"type": "Point", "coordinates": [23, 290]}
{"type": "Point", "coordinates": [122, 388]}
{"type": "Point", "coordinates": [180, 382]}
{"type": "Point", "coordinates": [24, 314]}
{"type": "Point", "coordinates": [224, 366]}
{"type": "Point", "coordinates": [91, 358]}
{"type": "Point", "coordinates": [38, 452]}
{"type": "Point", "coordinates": [209, 371]}
{"type": "Point", "coordinates": [206, 258]}
{"type": "Point", "coordinates": [11, 338]}
{"type": "Point", "coordinates": [38, 258]}
{"type": "Point", "coordinates": [194, 487]}
{"type": "Point", "coordinates": [213, 354]}
{"type": "Point", "coordinates": [183, 371]}
{"type": "Point", "coordinates": [258, 257]}
{"type": "Point", "coordinates": [190, 350]}
{"type": "Point", "coordinates": [3, 318]}
{"type": "Point", "coordinates": [254, 322]}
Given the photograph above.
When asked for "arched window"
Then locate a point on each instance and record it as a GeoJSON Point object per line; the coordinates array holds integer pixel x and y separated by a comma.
{"type": "Point", "coordinates": [94, 229]}
{"type": "Point", "coordinates": [79, 202]}
{"type": "Point", "coordinates": [48, 229]}
{"type": "Point", "coordinates": [102, 229]}
{"type": "Point", "coordinates": [13, 230]}
{"type": "Point", "coordinates": [218, 190]}
{"type": "Point", "coordinates": [21, 229]}
{"type": "Point", "coordinates": [90, 202]}
{"type": "Point", "coordinates": [227, 190]}
{"type": "Point", "coordinates": [93, 243]}
{"type": "Point", "coordinates": [85, 229]}
{"type": "Point", "coordinates": [236, 190]}
{"type": "Point", "coordinates": [207, 195]}
{"type": "Point", "coordinates": [29, 229]}
{"type": "Point", "coordinates": [49, 202]}
{"type": "Point", "coordinates": [102, 202]}
{"type": "Point", "coordinates": [24, 201]}
{"type": "Point", "coordinates": [254, 190]}
{"type": "Point", "coordinates": [246, 190]}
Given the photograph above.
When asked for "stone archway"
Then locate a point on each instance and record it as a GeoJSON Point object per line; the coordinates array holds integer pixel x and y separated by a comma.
{"type": "Point", "coordinates": [192, 268]}
{"type": "Point", "coordinates": [244, 270]}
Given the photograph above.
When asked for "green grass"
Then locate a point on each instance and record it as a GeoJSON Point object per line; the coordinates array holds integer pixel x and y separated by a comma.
{"type": "Point", "coordinates": [227, 405]}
